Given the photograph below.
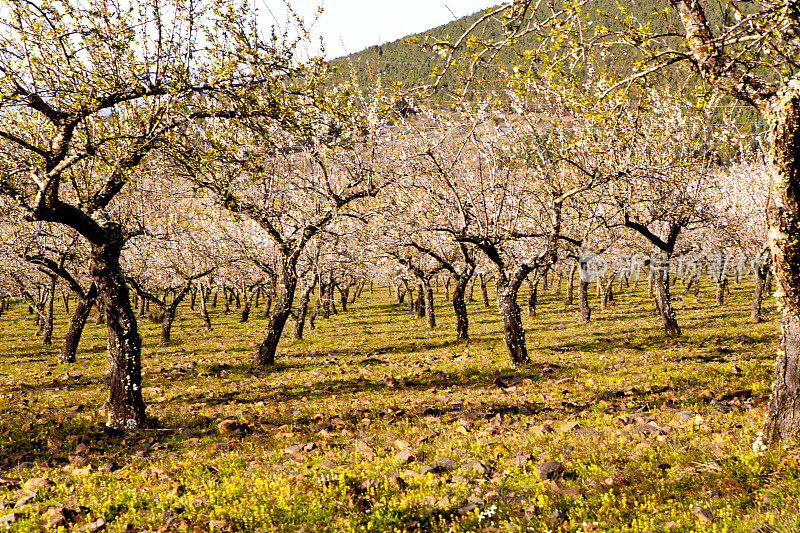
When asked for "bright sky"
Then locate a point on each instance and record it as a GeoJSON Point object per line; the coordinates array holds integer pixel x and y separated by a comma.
{"type": "Point", "coordinates": [348, 26]}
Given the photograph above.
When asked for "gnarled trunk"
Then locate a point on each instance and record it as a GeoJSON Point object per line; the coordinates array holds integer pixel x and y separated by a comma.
{"type": "Point", "coordinates": [783, 215]}
{"type": "Point", "coordinates": [664, 306]}
{"type": "Point", "coordinates": [126, 407]}
{"type": "Point", "coordinates": [513, 332]}
{"type": "Point", "coordinates": [80, 315]}
{"type": "Point", "coordinates": [281, 310]}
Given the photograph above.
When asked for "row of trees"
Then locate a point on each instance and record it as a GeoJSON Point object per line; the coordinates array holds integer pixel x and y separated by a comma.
{"type": "Point", "coordinates": [142, 165]}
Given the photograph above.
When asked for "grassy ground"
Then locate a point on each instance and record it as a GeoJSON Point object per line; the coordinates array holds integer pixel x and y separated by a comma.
{"type": "Point", "coordinates": [375, 423]}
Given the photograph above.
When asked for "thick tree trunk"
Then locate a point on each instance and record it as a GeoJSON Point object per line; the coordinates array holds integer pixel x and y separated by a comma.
{"type": "Point", "coordinates": [460, 308]}
{"type": "Point", "coordinates": [783, 215]}
{"type": "Point", "coordinates": [583, 302]}
{"type": "Point", "coordinates": [83, 307]}
{"type": "Point", "coordinates": [126, 408]}
{"type": "Point", "coordinates": [721, 286]}
{"type": "Point", "coordinates": [281, 310]}
{"type": "Point", "coordinates": [419, 305]}
{"type": "Point", "coordinates": [663, 301]}
{"type": "Point", "coordinates": [513, 332]}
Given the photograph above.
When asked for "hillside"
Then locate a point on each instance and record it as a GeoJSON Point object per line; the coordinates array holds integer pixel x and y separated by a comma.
{"type": "Point", "coordinates": [406, 63]}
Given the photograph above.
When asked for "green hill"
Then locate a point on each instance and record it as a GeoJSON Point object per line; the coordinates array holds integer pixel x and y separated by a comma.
{"type": "Point", "coordinates": [408, 63]}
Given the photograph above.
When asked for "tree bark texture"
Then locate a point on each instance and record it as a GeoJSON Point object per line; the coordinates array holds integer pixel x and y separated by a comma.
{"type": "Point", "coordinates": [126, 408]}
{"type": "Point", "coordinates": [281, 310]}
{"type": "Point", "coordinates": [83, 307]}
{"type": "Point", "coordinates": [783, 215]}
{"type": "Point", "coordinates": [513, 332]}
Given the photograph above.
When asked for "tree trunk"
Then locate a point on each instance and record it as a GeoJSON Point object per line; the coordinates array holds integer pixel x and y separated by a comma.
{"type": "Point", "coordinates": [50, 295]}
{"type": "Point", "coordinates": [65, 300]}
{"type": "Point", "coordinates": [663, 301]}
{"type": "Point", "coordinates": [302, 309]}
{"type": "Point", "coordinates": [248, 302]}
{"type": "Point", "coordinates": [83, 306]}
{"type": "Point", "coordinates": [571, 286]}
{"type": "Point", "coordinates": [430, 312]}
{"type": "Point", "coordinates": [484, 290]}
{"type": "Point", "coordinates": [783, 215]}
{"type": "Point", "coordinates": [344, 294]}
{"type": "Point", "coordinates": [533, 297]}
{"type": "Point", "coordinates": [513, 332]}
{"type": "Point", "coordinates": [281, 309]}
{"type": "Point", "coordinates": [460, 308]}
{"type": "Point", "coordinates": [126, 408]}
{"type": "Point", "coordinates": [721, 286]}
{"type": "Point", "coordinates": [762, 272]}
{"type": "Point", "coordinates": [419, 306]}
{"type": "Point", "coordinates": [204, 293]}
{"type": "Point", "coordinates": [169, 314]}
{"type": "Point", "coordinates": [583, 302]}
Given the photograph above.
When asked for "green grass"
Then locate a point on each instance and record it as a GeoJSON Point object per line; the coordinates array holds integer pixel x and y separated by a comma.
{"type": "Point", "coordinates": [631, 412]}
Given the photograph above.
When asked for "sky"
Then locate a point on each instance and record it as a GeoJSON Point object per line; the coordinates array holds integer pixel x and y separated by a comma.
{"type": "Point", "coordinates": [348, 26]}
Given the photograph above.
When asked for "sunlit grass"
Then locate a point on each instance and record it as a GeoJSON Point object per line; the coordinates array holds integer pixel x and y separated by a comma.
{"type": "Point", "coordinates": [647, 428]}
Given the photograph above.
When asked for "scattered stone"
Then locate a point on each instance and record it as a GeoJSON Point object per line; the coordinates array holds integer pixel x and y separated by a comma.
{"type": "Point", "coordinates": [218, 525]}
{"type": "Point", "coordinates": [26, 499]}
{"type": "Point", "coordinates": [459, 479]}
{"type": "Point", "coordinates": [559, 489]}
{"type": "Point", "coordinates": [58, 517]}
{"type": "Point", "coordinates": [232, 428]}
{"type": "Point", "coordinates": [521, 460]}
{"type": "Point", "coordinates": [543, 429]}
{"type": "Point", "coordinates": [405, 456]}
{"type": "Point", "coordinates": [78, 460]}
{"type": "Point", "coordinates": [294, 449]}
{"type": "Point", "coordinates": [570, 426]}
{"type": "Point", "coordinates": [703, 515]}
{"type": "Point", "coordinates": [38, 483]}
{"type": "Point", "coordinates": [110, 466]}
{"type": "Point", "coordinates": [440, 466]}
{"type": "Point", "coordinates": [549, 469]}
{"type": "Point", "coordinates": [10, 518]}
{"type": "Point", "coordinates": [721, 406]}
{"type": "Point", "coordinates": [365, 449]}
{"type": "Point", "coordinates": [478, 467]}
